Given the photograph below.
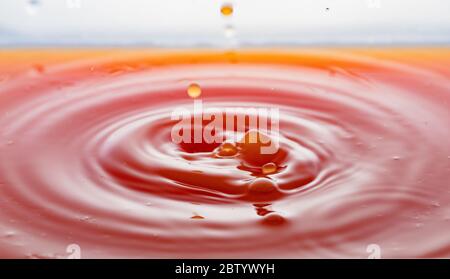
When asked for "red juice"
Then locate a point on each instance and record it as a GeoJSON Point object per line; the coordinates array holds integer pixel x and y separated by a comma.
{"type": "Point", "coordinates": [87, 158]}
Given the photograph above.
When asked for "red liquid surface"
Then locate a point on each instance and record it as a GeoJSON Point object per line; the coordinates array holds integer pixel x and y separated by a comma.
{"type": "Point", "coordinates": [86, 155]}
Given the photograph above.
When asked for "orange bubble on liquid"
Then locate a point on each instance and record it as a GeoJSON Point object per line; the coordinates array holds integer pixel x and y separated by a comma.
{"type": "Point", "coordinates": [194, 90]}
{"type": "Point", "coordinates": [251, 146]}
{"type": "Point", "coordinates": [269, 168]}
{"type": "Point", "coordinates": [228, 149]}
{"type": "Point", "coordinates": [262, 185]}
{"type": "Point", "coordinates": [226, 10]}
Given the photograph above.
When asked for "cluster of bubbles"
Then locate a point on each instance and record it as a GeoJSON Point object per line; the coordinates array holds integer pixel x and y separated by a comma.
{"type": "Point", "coordinates": [262, 184]}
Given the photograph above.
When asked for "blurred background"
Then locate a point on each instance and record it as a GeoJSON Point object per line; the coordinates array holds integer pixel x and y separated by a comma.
{"type": "Point", "coordinates": [184, 23]}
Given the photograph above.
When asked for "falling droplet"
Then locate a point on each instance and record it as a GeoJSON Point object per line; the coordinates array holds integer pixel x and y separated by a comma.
{"type": "Point", "coordinates": [269, 168]}
{"type": "Point", "coordinates": [226, 10]}
{"type": "Point", "coordinates": [194, 90]}
{"type": "Point", "coordinates": [227, 149]}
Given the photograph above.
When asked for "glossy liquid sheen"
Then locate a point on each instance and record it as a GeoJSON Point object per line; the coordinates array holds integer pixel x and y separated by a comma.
{"type": "Point", "coordinates": [86, 155]}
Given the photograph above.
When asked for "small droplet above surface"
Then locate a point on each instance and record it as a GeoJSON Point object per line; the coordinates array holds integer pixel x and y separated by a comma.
{"type": "Point", "coordinates": [194, 90]}
{"type": "Point", "coordinates": [227, 10]}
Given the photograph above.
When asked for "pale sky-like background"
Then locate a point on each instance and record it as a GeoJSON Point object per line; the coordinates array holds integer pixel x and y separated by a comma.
{"type": "Point", "coordinates": [199, 22]}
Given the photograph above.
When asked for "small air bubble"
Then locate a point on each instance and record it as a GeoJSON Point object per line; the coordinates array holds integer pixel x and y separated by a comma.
{"type": "Point", "coordinates": [269, 168]}
{"type": "Point", "coordinates": [396, 158]}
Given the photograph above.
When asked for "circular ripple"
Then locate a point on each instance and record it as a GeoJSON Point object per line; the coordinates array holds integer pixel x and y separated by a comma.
{"type": "Point", "coordinates": [88, 158]}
